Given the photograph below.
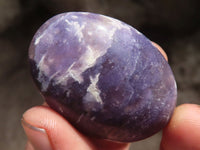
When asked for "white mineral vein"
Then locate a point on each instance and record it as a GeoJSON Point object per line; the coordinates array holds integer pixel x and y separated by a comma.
{"type": "Point", "coordinates": [93, 90]}
{"type": "Point", "coordinates": [92, 53]}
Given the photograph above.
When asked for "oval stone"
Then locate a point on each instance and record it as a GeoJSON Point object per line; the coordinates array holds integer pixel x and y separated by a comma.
{"type": "Point", "coordinates": [103, 76]}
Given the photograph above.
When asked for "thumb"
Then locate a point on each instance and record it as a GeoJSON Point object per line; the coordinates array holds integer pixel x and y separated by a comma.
{"type": "Point", "coordinates": [47, 130]}
{"type": "Point", "coordinates": [38, 138]}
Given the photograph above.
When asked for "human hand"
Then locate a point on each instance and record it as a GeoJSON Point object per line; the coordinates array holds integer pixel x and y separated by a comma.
{"type": "Point", "coordinates": [47, 130]}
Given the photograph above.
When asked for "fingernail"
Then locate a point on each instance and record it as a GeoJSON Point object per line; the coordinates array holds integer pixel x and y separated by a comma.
{"type": "Point", "coordinates": [37, 136]}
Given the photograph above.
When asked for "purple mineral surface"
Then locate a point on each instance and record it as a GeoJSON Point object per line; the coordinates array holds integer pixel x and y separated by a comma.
{"type": "Point", "coordinates": [103, 76]}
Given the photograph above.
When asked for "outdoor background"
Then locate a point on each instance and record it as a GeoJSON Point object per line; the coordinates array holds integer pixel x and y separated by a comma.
{"type": "Point", "coordinates": [174, 24]}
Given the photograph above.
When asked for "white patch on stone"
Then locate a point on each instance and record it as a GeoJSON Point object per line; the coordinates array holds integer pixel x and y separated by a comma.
{"type": "Point", "coordinates": [37, 40]}
{"type": "Point", "coordinates": [67, 29]}
{"type": "Point", "coordinates": [138, 32]}
{"type": "Point", "coordinates": [162, 103]}
{"type": "Point", "coordinates": [61, 110]}
{"type": "Point", "coordinates": [131, 95]}
{"type": "Point", "coordinates": [42, 66]}
{"type": "Point", "coordinates": [87, 60]}
{"type": "Point", "coordinates": [117, 88]}
{"type": "Point", "coordinates": [50, 60]}
{"type": "Point", "coordinates": [175, 85]}
{"type": "Point", "coordinates": [45, 84]}
{"type": "Point", "coordinates": [100, 27]}
{"type": "Point", "coordinates": [137, 45]}
{"type": "Point", "coordinates": [41, 62]}
{"type": "Point", "coordinates": [93, 92]}
{"type": "Point", "coordinates": [53, 75]}
{"type": "Point", "coordinates": [68, 22]}
{"type": "Point", "coordinates": [44, 69]}
{"type": "Point", "coordinates": [64, 41]}
{"type": "Point", "coordinates": [134, 67]}
{"type": "Point", "coordinates": [77, 28]}
{"type": "Point", "coordinates": [68, 93]}
{"type": "Point", "coordinates": [79, 118]}
{"type": "Point", "coordinates": [118, 24]}
{"type": "Point", "coordinates": [90, 57]}
{"type": "Point", "coordinates": [92, 119]}
{"type": "Point", "coordinates": [74, 17]}
{"type": "Point", "coordinates": [69, 73]}
{"type": "Point", "coordinates": [56, 31]}
{"type": "Point", "coordinates": [84, 13]}
{"type": "Point", "coordinates": [48, 38]}
{"type": "Point", "coordinates": [89, 33]}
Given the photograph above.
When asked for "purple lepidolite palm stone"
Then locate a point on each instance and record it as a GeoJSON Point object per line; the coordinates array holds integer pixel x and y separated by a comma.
{"type": "Point", "coordinates": [103, 76]}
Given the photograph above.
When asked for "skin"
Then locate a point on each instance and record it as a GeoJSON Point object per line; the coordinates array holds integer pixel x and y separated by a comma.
{"type": "Point", "coordinates": [46, 129]}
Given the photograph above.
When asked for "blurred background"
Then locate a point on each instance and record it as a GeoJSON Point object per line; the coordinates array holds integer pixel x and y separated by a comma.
{"type": "Point", "coordinates": [173, 24]}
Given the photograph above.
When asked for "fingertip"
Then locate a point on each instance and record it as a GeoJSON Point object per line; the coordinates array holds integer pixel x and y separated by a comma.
{"type": "Point", "coordinates": [160, 50]}
{"type": "Point", "coordinates": [61, 134]}
{"type": "Point", "coordinates": [183, 130]}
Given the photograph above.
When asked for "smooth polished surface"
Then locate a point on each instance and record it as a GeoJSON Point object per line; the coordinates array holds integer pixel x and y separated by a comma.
{"type": "Point", "coordinates": [103, 76]}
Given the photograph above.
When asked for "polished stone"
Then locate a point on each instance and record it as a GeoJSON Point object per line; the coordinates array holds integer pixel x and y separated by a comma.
{"type": "Point", "coordinates": [103, 76]}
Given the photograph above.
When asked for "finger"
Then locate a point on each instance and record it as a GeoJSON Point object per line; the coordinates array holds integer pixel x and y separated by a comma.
{"type": "Point", "coordinates": [183, 131]}
{"type": "Point", "coordinates": [161, 50]}
{"type": "Point", "coordinates": [46, 129]}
